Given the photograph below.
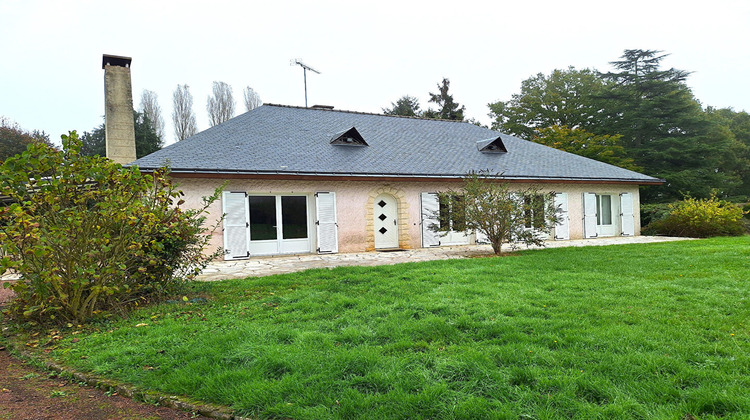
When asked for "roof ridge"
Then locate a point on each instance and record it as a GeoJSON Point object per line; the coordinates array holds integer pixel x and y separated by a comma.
{"type": "Point", "coordinates": [362, 113]}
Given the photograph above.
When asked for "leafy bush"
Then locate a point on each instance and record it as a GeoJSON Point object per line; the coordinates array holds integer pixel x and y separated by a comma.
{"type": "Point", "coordinates": [700, 218]}
{"type": "Point", "coordinates": [92, 236]}
{"type": "Point", "coordinates": [653, 212]}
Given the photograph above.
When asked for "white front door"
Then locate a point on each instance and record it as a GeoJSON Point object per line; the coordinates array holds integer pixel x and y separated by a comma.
{"type": "Point", "coordinates": [385, 211]}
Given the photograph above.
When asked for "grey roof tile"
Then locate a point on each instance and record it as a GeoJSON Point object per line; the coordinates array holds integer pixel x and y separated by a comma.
{"type": "Point", "coordinates": [283, 139]}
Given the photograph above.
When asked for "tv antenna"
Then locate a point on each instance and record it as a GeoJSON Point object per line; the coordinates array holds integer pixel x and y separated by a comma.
{"type": "Point", "coordinates": [305, 68]}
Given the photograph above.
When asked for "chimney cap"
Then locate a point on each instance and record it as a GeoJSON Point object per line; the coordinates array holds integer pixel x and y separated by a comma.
{"type": "Point", "coordinates": [115, 60]}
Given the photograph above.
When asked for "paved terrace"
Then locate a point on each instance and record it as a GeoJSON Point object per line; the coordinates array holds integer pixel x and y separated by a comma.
{"type": "Point", "coordinates": [264, 266]}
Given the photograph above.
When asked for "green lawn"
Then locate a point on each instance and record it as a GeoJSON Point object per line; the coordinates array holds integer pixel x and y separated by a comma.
{"type": "Point", "coordinates": [632, 331]}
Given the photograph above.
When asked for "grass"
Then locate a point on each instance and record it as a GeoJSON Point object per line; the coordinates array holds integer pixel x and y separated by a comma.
{"type": "Point", "coordinates": [631, 331]}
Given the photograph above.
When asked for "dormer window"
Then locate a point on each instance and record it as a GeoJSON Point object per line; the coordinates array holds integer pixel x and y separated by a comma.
{"type": "Point", "coordinates": [493, 145]}
{"type": "Point", "coordinates": [350, 137]}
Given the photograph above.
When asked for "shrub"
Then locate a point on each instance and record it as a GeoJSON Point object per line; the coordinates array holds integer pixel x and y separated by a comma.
{"type": "Point", "coordinates": [700, 218]}
{"type": "Point", "coordinates": [653, 212]}
{"type": "Point", "coordinates": [91, 236]}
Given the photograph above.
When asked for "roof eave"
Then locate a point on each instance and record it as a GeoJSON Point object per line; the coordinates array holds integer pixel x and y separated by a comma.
{"type": "Point", "coordinates": [217, 172]}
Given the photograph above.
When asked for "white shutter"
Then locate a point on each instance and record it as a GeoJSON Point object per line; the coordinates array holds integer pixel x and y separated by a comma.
{"type": "Point", "coordinates": [327, 228]}
{"type": "Point", "coordinates": [589, 215]}
{"type": "Point", "coordinates": [627, 221]}
{"type": "Point", "coordinates": [236, 225]}
{"type": "Point", "coordinates": [430, 208]}
{"type": "Point", "coordinates": [562, 228]}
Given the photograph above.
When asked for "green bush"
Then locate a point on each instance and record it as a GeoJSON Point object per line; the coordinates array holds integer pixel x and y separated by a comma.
{"type": "Point", "coordinates": [91, 236]}
{"type": "Point", "coordinates": [653, 212]}
{"type": "Point", "coordinates": [700, 218]}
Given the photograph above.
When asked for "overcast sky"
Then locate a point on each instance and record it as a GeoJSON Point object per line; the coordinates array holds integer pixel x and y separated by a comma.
{"type": "Point", "coordinates": [369, 53]}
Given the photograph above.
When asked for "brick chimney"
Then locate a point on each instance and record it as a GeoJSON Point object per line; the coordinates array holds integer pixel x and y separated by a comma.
{"type": "Point", "coordinates": [118, 104]}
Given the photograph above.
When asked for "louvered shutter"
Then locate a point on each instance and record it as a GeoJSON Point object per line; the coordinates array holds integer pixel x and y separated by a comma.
{"type": "Point", "coordinates": [589, 215]}
{"type": "Point", "coordinates": [562, 228]}
{"type": "Point", "coordinates": [327, 228]}
{"type": "Point", "coordinates": [430, 207]}
{"type": "Point", "coordinates": [627, 221]}
{"type": "Point", "coordinates": [236, 225]}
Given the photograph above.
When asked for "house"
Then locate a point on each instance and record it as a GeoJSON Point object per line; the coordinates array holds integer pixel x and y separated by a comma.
{"type": "Point", "coordinates": [307, 180]}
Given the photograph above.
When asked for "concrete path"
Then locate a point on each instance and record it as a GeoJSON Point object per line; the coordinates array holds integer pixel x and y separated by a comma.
{"type": "Point", "coordinates": [264, 266]}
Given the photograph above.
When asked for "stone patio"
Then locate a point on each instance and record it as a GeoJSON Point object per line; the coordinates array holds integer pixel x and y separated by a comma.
{"type": "Point", "coordinates": [264, 266]}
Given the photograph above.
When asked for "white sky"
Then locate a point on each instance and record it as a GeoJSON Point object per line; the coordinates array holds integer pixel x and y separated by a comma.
{"type": "Point", "coordinates": [369, 53]}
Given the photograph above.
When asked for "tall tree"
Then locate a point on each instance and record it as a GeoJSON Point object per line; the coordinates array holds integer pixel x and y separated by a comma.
{"type": "Point", "coordinates": [448, 109]}
{"type": "Point", "coordinates": [738, 124]}
{"type": "Point", "coordinates": [562, 98]}
{"type": "Point", "coordinates": [664, 128]}
{"type": "Point", "coordinates": [183, 116]}
{"type": "Point", "coordinates": [151, 109]}
{"type": "Point", "coordinates": [146, 139]}
{"type": "Point", "coordinates": [406, 106]}
{"type": "Point", "coordinates": [252, 99]}
{"type": "Point", "coordinates": [220, 105]}
{"type": "Point", "coordinates": [604, 148]}
{"type": "Point", "coordinates": [14, 139]}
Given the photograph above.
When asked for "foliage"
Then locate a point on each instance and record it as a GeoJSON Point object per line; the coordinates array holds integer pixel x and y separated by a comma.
{"type": "Point", "coordinates": [220, 105]}
{"type": "Point", "coordinates": [562, 98]}
{"type": "Point", "coordinates": [14, 139]}
{"type": "Point", "coordinates": [664, 128]}
{"type": "Point", "coordinates": [92, 236]}
{"type": "Point", "coordinates": [653, 212]}
{"type": "Point", "coordinates": [700, 218]}
{"type": "Point", "coordinates": [448, 109]}
{"type": "Point", "coordinates": [183, 116]}
{"type": "Point", "coordinates": [738, 157]}
{"type": "Point", "coordinates": [604, 148]}
{"type": "Point", "coordinates": [147, 141]}
{"type": "Point", "coordinates": [565, 333]}
{"type": "Point", "coordinates": [407, 106]}
{"type": "Point", "coordinates": [505, 216]}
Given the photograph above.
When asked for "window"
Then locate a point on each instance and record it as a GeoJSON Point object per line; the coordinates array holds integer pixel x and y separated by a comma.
{"type": "Point", "coordinates": [603, 209]}
{"type": "Point", "coordinates": [533, 211]}
{"type": "Point", "coordinates": [452, 213]}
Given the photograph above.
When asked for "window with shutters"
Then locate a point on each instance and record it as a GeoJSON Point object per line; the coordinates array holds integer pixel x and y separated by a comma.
{"type": "Point", "coordinates": [452, 213]}
{"type": "Point", "coordinates": [533, 211]}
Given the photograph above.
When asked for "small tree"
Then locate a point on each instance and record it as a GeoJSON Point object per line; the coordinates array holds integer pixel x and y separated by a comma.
{"type": "Point", "coordinates": [406, 106]}
{"type": "Point", "coordinates": [504, 216]}
{"type": "Point", "coordinates": [448, 109]}
{"type": "Point", "coordinates": [92, 236]}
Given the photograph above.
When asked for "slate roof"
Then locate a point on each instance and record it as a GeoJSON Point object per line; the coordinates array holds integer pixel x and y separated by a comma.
{"type": "Point", "coordinates": [276, 139]}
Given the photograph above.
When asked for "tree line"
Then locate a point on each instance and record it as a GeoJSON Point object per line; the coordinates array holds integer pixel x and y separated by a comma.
{"type": "Point", "coordinates": [638, 116]}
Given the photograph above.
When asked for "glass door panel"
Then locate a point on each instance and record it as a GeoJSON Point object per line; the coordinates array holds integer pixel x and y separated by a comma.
{"type": "Point", "coordinates": [294, 217]}
{"type": "Point", "coordinates": [262, 218]}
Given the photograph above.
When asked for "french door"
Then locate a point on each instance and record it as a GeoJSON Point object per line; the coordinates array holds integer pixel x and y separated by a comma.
{"type": "Point", "coordinates": [279, 224]}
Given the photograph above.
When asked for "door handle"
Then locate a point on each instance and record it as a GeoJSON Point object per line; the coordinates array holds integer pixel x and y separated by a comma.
{"type": "Point", "coordinates": [394, 221]}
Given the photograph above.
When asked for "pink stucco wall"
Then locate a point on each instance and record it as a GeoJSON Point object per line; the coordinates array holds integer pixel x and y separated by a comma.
{"type": "Point", "coordinates": [354, 198]}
